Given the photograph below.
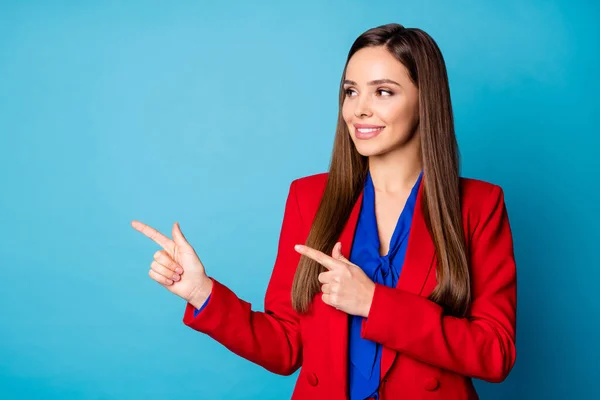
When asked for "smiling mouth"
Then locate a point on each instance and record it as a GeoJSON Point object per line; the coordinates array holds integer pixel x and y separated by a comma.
{"type": "Point", "coordinates": [367, 130]}
{"type": "Point", "coordinates": [368, 133]}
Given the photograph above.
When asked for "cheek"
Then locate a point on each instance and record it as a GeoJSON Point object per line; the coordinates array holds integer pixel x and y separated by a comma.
{"type": "Point", "coordinates": [348, 116]}
{"type": "Point", "coordinates": [346, 112]}
{"type": "Point", "coordinates": [399, 115]}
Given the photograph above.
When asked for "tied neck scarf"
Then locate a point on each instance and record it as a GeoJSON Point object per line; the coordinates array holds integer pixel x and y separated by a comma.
{"type": "Point", "coordinates": [380, 269]}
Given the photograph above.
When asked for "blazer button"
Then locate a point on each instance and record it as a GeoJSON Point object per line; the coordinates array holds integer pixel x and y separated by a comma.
{"type": "Point", "coordinates": [312, 379]}
{"type": "Point", "coordinates": [431, 384]}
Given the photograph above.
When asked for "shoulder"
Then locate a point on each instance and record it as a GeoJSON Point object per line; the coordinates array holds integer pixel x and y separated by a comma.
{"type": "Point", "coordinates": [312, 181]}
{"type": "Point", "coordinates": [310, 188]}
{"type": "Point", "coordinates": [482, 202]}
{"type": "Point", "coordinates": [476, 190]}
{"type": "Point", "coordinates": [307, 192]}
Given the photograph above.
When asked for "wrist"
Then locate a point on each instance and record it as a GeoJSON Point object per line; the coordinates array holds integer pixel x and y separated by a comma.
{"type": "Point", "coordinates": [369, 301]}
{"type": "Point", "coordinates": [200, 294]}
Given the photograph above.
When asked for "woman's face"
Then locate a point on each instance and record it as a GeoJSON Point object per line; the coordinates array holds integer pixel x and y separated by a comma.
{"type": "Point", "coordinates": [392, 106]}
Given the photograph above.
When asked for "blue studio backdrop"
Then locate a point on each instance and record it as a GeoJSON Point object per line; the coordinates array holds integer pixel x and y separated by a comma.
{"type": "Point", "coordinates": [185, 111]}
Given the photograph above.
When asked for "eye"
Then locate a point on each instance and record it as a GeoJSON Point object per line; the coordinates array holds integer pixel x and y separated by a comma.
{"type": "Point", "coordinates": [386, 91]}
{"type": "Point", "coordinates": [348, 92]}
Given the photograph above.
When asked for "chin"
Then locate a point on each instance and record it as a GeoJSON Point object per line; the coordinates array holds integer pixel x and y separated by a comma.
{"type": "Point", "coordinates": [367, 148]}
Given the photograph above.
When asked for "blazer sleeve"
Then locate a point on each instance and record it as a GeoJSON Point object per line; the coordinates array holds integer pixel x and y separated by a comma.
{"type": "Point", "coordinates": [481, 345]}
{"type": "Point", "coordinates": [196, 312]}
{"type": "Point", "coordinates": [271, 338]}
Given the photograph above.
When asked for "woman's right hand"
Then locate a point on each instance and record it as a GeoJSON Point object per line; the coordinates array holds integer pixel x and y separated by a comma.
{"type": "Point", "coordinates": [177, 266]}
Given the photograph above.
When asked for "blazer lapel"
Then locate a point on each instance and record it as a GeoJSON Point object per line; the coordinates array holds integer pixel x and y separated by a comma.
{"type": "Point", "coordinates": [419, 259]}
{"type": "Point", "coordinates": [418, 262]}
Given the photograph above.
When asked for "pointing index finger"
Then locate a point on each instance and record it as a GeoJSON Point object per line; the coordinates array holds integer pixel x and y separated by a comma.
{"type": "Point", "coordinates": [328, 262]}
{"type": "Point", "coordinates": [155, 235]}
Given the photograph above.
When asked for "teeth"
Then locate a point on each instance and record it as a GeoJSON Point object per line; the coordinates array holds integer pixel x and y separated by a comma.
{"type": "Point", "coordinates": [364, 130]}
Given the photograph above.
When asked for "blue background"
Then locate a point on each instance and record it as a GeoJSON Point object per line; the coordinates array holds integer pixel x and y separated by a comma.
{"type": "Point", "coordinates": [203, 113]}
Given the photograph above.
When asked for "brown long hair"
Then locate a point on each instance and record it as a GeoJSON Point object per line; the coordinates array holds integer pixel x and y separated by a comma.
{"type": "Point", "coordinates": [419, 53]}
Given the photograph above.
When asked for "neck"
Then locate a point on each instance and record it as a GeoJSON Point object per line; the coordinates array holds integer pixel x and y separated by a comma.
{"type": "Point", "coordinates": [396, 171]}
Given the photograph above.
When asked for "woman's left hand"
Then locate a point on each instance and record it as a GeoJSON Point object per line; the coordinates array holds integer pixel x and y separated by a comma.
{"type": "Point", "coordinates": [345, 285]}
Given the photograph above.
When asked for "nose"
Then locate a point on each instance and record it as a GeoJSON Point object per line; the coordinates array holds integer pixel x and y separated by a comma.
{"type": "Point", "coordinates": [363, 107]}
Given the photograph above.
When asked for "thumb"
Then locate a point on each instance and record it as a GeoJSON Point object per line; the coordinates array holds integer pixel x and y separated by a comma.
{"type": "Point", "coordinates": [337, 252]}
{"type": "Point", "coordinates": [178, 235]}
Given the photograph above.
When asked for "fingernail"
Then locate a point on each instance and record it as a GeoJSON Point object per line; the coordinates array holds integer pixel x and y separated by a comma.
{"type": "Point", "coordinates": [298, 247]}
{"type": "Point", "coordinates": [175, 277]}
{"type": "Point", "coordinates": [178, 270]}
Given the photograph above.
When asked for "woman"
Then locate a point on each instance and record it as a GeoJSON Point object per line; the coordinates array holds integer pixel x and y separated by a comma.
{"type": "Point", "coordinates": [406, 285]}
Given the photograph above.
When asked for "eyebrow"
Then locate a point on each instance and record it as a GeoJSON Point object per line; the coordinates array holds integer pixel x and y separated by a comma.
{"type": "Point", "coordinates": [375, 82]}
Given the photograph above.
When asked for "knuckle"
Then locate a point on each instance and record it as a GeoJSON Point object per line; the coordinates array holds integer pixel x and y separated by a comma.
{"type": "Point", "coordinates": [158, 277]}
{"type": "Point", "coordinates": [160, 272]}
{"type": "Point", "coordinates": [155, 275]}
{"type": "Point", "coordinates": [333, 299]}
{"type": "Point", "coordinates": [155, 266]}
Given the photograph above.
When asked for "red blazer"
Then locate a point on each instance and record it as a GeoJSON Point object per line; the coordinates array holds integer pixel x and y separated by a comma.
{"type": "Point", "coordinates": [426, 354]}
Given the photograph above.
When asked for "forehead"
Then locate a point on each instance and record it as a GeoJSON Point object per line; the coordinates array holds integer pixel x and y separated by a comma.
{"type": "Point", "coordinates": [372, 63]}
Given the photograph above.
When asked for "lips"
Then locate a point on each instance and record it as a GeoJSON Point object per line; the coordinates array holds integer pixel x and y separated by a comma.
{"type": "Point", "coordinates": [367, 133]}
{"type": "Point", "coordinates": [366, 126]}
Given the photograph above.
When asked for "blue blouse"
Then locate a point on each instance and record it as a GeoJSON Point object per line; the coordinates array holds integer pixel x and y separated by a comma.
{"type": "Point", "coordinates": [364, 368]}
